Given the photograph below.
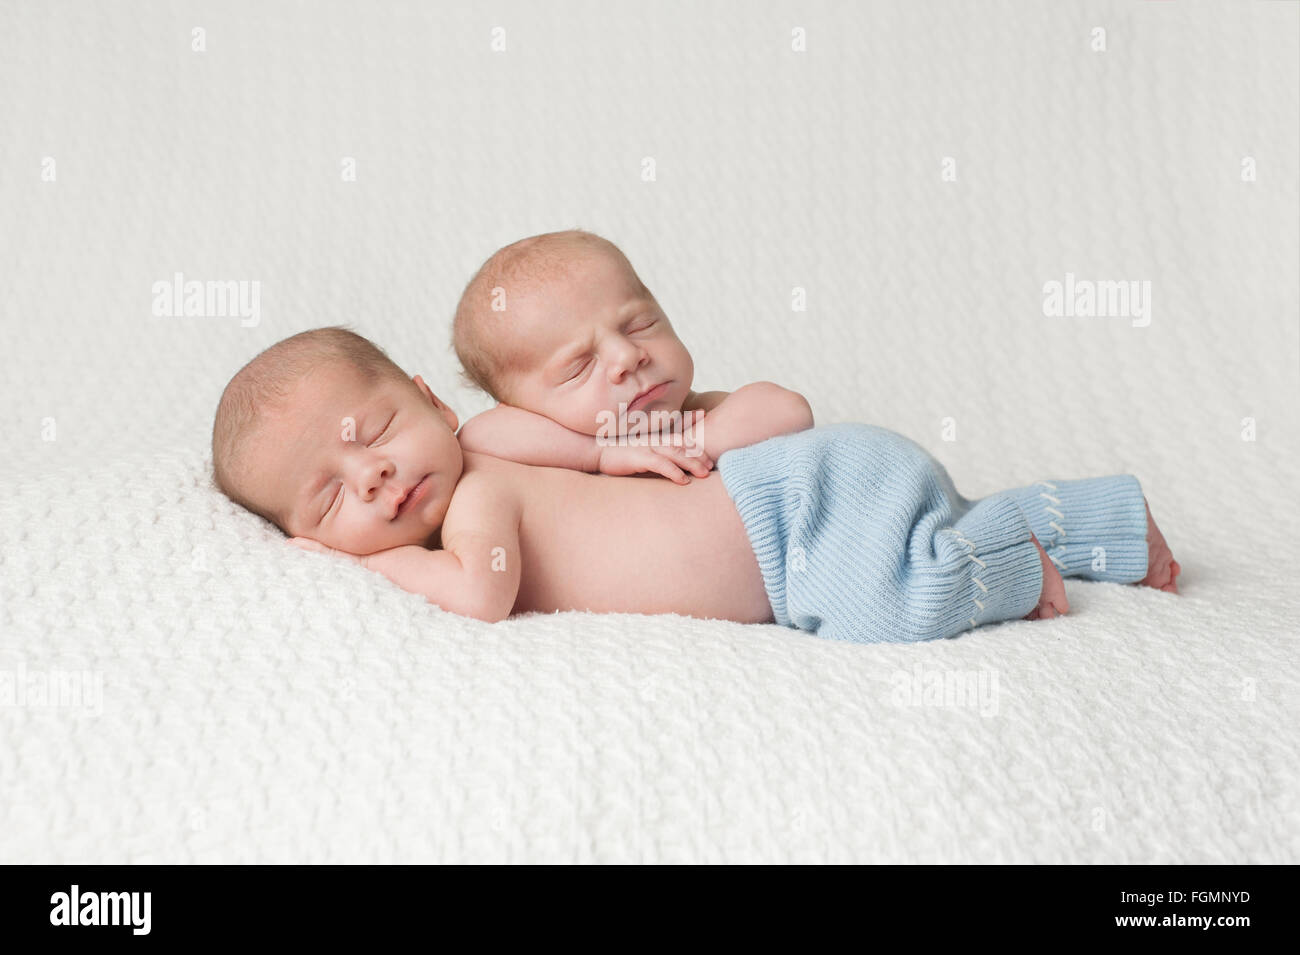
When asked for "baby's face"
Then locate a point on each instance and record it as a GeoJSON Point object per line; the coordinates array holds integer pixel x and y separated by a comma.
{"type": "Point", "coordinates": [340, 459]}
{"type": "Point", "coordinates": [592, 340]}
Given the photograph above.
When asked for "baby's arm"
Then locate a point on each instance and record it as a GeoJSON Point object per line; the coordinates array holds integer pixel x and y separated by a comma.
{"type": "Point", "coordinates": [518, 435]}
{"type": "Point", "coordinates": [750, 414]}
{"type": "Point", "coordinates": [704, 400]}
{"type": "Point", "coordinates": [477, 571]}
{"type": "Point", "coordinates": [528, 438]}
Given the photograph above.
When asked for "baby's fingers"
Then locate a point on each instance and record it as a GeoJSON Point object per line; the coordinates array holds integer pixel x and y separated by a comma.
{"type": "Point", "coordinates": [701, 459]}
{"type": "Point", "coordinates": [698, 464]}
{"type": "Point", "coordinates": [662, 465]}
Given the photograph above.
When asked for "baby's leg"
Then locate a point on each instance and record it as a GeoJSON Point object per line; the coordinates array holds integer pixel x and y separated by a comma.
{"type": "Point", "coordinates": [896, 565]}
{"type": "Point", "coordinates": [1162, 569]}
{"type": "Point", "coordinates": [861, 535]}
{"type": "Point", "coordinates": [1094, 528]}
{"type": "Point", "coordinates": [1052, 601]}
{"type": "Point", "coordinates": [960, 572]}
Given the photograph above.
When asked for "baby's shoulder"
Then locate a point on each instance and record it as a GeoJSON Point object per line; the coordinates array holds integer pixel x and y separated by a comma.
{"type": "Point", "coordinates": [484, 485]}
{"type": "Point", "coordinates": [483, 500]}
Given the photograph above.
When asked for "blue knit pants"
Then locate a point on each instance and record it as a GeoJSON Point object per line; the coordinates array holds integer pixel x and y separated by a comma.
{"type": "Point", "coordinates": [861, 535]}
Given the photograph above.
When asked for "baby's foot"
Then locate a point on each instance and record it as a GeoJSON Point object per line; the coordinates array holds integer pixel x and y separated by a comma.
{"type": "Point", "coordinates": [1162, 569]}
{"type": "Point", "coordinates": [1051, 602]}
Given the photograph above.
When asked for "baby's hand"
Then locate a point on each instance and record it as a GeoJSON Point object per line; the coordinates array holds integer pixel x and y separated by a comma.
{"type": "Point", "coordinates": [672, 462]}
{"type": "Point", "coordinates": [406, 565]}
{"type": "Point", "coordinates": [688, 435]}
{"type": "Point", "coordinates": [306, 543]}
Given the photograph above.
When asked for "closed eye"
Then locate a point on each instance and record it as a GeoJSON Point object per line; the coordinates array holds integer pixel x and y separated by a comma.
{"type": "Point", "coordinates": [642, 325]}
{"type": "Point", "coordinates": [334, 500]}
{"type": "Point", "coordinates": [385, 431]}
{"type": "Point", "coordinates": [577, 370]}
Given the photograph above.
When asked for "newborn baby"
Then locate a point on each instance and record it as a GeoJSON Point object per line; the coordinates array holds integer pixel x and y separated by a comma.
{"type": "Point", "coordinates": [589, 372]}
{"type": "Point", "coordinates": [851, 531]}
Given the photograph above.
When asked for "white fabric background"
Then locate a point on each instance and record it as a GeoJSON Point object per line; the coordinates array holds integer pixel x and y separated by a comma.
{"type": "Point", "coordinates": [261, 704]}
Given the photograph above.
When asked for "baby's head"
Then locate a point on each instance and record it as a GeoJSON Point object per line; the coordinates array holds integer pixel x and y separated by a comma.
{"type": "Point", "coordinates": [324, 436]}
{"type": "Point", "coordinates": [560, 324]}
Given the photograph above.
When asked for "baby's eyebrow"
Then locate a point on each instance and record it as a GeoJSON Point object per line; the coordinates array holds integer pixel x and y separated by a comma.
{"type": "Point", "coordinates": [570, 353]}
{"type": "Point", "coordinates": [633, 305]}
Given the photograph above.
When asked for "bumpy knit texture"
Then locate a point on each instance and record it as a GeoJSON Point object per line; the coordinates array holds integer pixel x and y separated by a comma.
{"type": "Point", "coordinates": [861, 535]}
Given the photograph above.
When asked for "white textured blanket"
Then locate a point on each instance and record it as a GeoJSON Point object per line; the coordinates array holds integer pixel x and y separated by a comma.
{"type": "Point", "coordinates": [176, 684]}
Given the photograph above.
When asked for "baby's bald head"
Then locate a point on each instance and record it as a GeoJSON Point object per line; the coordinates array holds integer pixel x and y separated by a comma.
{"type": "Point", "coordinates": [264, 385]}
{"type": "Point", "coordinates": [481, 329]}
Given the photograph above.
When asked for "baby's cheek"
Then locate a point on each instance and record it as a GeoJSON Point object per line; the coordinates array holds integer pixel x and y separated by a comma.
{"type": "Point", "coordinates": [586, 421]}
{"type": "Point", "coordinates": [578, 415]}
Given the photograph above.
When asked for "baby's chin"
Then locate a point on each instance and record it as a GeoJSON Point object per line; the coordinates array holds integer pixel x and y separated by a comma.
{"type": "Point", "coordinates": [607, 421]}
{"type": "Point", "coordinates": [658, 415]}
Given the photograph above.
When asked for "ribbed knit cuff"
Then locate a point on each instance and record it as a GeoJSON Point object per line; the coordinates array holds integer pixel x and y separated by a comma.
{"type": "Point", "coordinates": [993, 542]}
{"type": "Point", "coordinates": [1094, 528]}
{"type": "Point", "coordinates": [755, 477]}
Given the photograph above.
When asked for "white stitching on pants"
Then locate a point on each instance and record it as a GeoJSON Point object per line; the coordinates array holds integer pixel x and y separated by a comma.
{"type": "Point", "coordinates": [978, 582]}
{"type": "Point", "coordinates": [1058, 525]}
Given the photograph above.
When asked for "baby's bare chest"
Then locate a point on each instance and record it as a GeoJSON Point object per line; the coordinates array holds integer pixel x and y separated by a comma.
{"type": "Point", "coordinates": [642, 545]}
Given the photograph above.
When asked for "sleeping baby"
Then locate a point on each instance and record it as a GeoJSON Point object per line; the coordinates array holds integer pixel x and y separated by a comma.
{"type": "Point", "coordinates": [588, 371]}
{"type": "Point", "coordinates": [850, 531]}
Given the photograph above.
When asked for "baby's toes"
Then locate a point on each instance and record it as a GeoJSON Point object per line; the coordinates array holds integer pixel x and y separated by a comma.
{"type": "Point", "coordinates": [1174, 570]}
{"type": "Point", "coordinates": [1161, 574]}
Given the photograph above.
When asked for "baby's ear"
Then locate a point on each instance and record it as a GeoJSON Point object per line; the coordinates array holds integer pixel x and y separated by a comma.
{"type": "Point", "coordinates": [427, 391]}
{"type": "Point", "coordinates": [448, 415]}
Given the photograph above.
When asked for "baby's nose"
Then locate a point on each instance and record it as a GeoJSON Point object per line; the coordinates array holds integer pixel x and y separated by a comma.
{"type": "Point", "coordinates": [377, 478]}
{"type": "Point", "coordinates": [626, 359]}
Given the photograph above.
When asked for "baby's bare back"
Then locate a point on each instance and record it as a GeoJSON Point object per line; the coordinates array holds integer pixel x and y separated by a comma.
{"type": "Point", "coordinates": [630, 544]}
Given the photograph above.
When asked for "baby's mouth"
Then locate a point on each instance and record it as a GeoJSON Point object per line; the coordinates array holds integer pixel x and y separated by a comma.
{"type": "Point", "coordinates": [648, 396]}
{"type": "Point", "coordinates": [412, 497]}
